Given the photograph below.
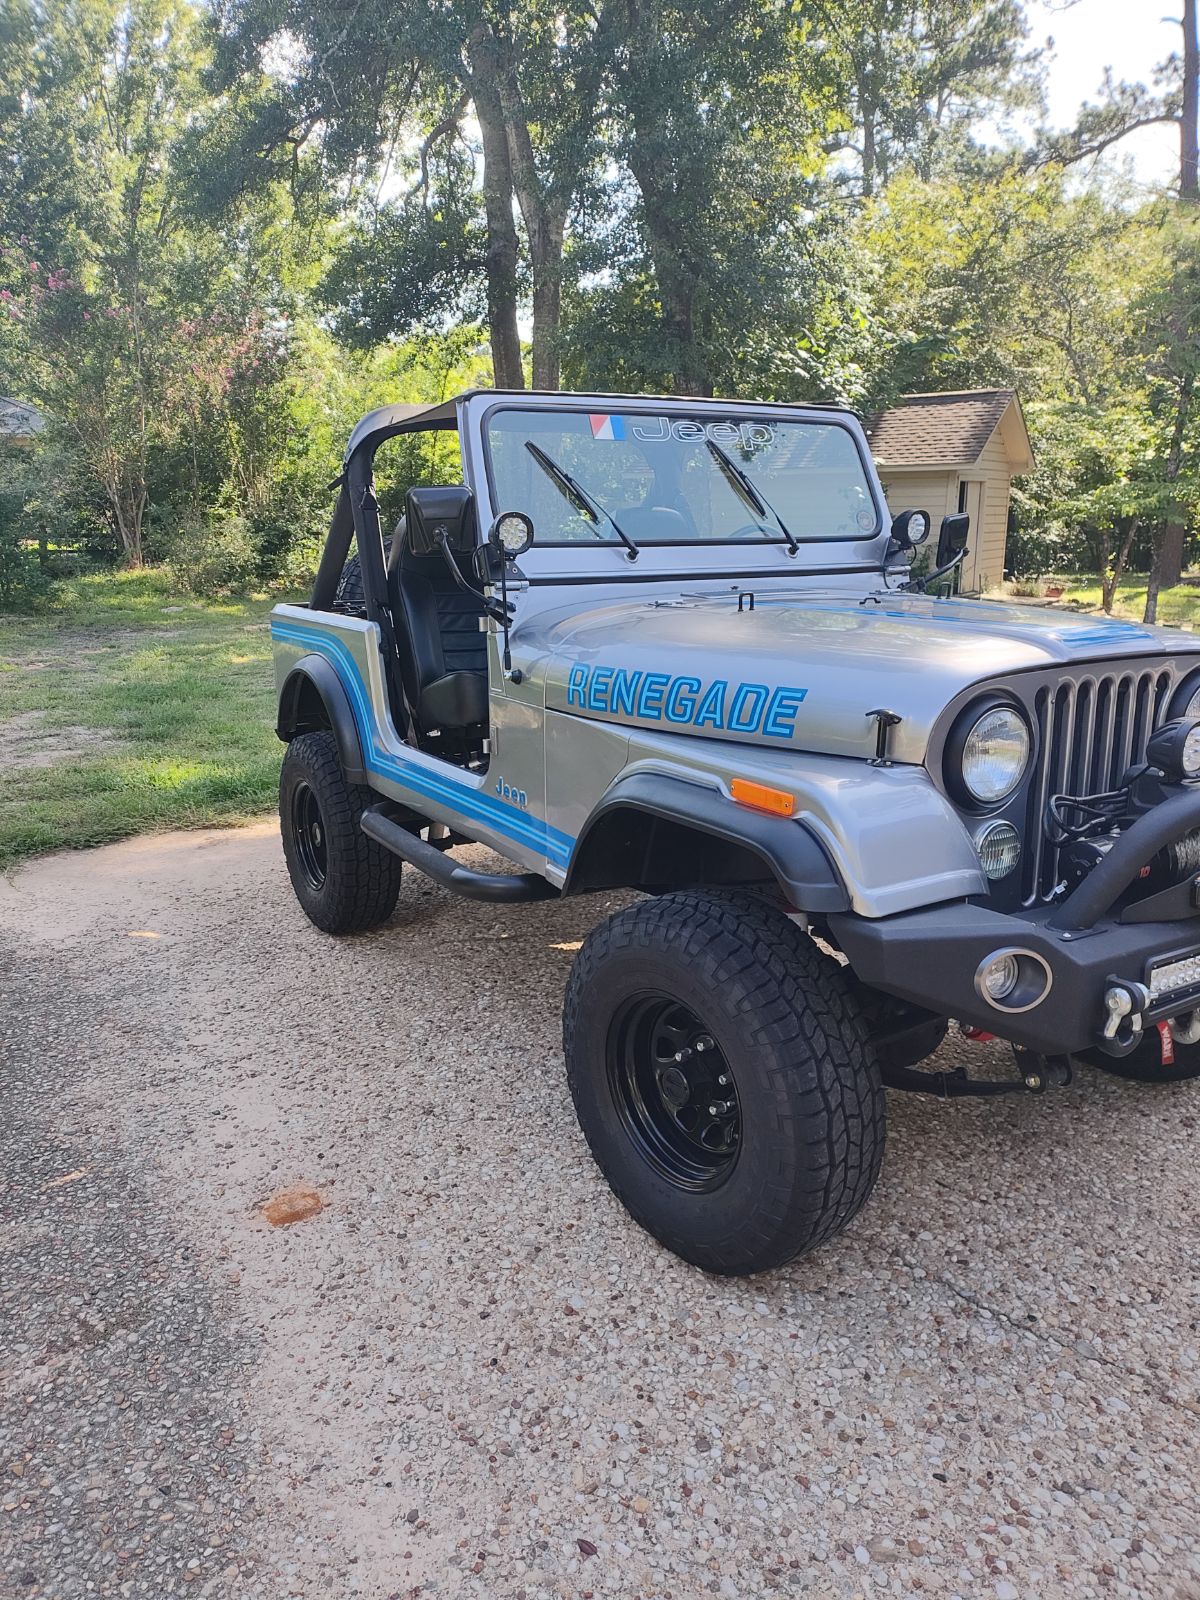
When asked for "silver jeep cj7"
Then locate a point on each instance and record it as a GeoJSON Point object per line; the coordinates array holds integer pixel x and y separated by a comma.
{"type": "Point", "coordinates": [675, 646]}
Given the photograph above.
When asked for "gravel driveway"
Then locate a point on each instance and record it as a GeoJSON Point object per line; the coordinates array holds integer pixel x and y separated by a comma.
{"type": "Point", "coordinates": [471, 1374]}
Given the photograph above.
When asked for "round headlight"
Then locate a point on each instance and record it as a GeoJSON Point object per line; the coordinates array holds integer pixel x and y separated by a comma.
{"type": "Point", "coordinates": [1190, 755]}
{"type": "Point", "coordinates": [999, 847]}
{"type": "Point", "coordinates": [995, 754]}
{"type": "Point", "coordinates": [1185, 702]}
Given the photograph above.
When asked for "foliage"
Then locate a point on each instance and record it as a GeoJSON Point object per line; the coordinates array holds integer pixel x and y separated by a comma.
{"type": "Point", "coordinates": [232, 230]}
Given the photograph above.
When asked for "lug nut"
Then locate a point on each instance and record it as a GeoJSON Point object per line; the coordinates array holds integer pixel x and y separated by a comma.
{"type": "Point", "coordinates": [682, 1055]}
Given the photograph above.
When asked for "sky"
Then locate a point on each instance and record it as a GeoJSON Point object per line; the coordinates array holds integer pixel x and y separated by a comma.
{"type": "Point", "coordinates": [1131, 37]}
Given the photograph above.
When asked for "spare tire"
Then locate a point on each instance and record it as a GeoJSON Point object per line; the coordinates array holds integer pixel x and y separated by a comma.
{"type": "Point", "coordinates": [350, 597]}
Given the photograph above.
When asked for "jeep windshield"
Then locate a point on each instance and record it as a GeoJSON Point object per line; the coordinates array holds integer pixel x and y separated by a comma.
{"type": "Point", "coordinates": [674, 478]}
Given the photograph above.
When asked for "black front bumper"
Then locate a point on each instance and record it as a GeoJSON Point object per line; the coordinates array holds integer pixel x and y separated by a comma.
{"type": "Point", "coordinates": [933, 957]}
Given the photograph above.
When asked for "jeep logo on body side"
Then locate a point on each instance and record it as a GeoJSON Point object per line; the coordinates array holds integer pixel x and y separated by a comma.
{"type": "Point", "coordinates": [515, 797]}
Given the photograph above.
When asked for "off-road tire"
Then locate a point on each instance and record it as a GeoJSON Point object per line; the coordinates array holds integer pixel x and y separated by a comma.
{"type": "Point", "coordinates": [361, 879]}
{"type": "Point", "coordinates": [1145, 1064]}
{"type": "Point", "coordinates": [784, 1016]}
{"type": "Point", "coordinates": [350, 596]}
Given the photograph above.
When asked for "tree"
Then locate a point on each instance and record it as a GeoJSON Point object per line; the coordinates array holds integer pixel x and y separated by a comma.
{"type": "Point", "coordinates": [703, 246]}
{"type": "Point", "coordinates": [138, 329]}
{"type": "Point", "coordinates": [1168, 317]}
{"type": "Point", "coordinates": [89, 336]}
{"type": "Point", "coordinates": [1125, 107]}
{"type": "Point", "coordinates": [403, 76]}
{"type": "Point", "coordinates": [918, 74]}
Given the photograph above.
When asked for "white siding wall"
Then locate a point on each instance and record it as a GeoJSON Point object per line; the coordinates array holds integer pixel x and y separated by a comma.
{"type": "Point", "coordinates": [985, 564]}
{"type": "Point", "coordinates": [925, 489]}
{"type": "Point", "coordinates": [921, 490]}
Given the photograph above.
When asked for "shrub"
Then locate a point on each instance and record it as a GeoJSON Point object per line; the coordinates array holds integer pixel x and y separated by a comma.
{"type": "Point", "coordinates": [211, 553]}
{"type": "Point", "coordinates": [25, 584]}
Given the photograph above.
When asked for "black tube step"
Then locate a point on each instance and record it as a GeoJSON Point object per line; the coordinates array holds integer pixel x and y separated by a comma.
{"type": "Point", "coordinates": [501, 888]}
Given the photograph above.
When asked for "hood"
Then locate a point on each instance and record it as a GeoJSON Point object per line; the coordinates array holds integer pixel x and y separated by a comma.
{"type": "Point", "coordinates": [808, 672]}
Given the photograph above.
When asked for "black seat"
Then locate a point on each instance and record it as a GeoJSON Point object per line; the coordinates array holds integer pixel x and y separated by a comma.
{"type": "Point", "coordinates": [443, 650]}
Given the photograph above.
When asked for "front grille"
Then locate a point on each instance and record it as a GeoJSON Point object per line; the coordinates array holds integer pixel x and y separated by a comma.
{"type": "Point", "coordinates": [1088, 731]}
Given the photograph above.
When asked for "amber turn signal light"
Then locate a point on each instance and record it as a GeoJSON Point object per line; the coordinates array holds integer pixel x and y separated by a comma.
{"type": "Point", "coordinates": [760, 798]}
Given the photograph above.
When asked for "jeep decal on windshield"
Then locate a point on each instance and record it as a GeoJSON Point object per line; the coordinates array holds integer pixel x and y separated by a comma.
{"type": "Point", "coordinates": [750, 436]}
{"type": "Point", "coordinates": [686, 701]}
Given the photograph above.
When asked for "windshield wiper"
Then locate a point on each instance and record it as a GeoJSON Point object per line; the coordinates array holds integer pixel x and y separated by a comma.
{"type": "Point", "coordinates": [576, 493]}
{"type": "Point", "coordinates": [748, 491]}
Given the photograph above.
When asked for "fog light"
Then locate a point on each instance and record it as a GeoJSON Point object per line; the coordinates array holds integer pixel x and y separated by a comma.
{"type": "Point", "coordinates": [1175, 749]}
{"type": "Point", "coordinates": [999, 847]}
{"type": "Point", "coordinates": [998, 976]}
{"type": "Point", "coordinates": [1013, 980]}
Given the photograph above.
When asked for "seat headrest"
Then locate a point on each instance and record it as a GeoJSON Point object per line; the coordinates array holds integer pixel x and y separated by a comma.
{"type": "Point", "coordinates": [429, 513]}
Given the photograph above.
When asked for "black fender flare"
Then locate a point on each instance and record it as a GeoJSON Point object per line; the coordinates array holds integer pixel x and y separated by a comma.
{"type": "Point", "coordinates": [314, 675]}
{"type": "Point", "coordinates": [796, 858]}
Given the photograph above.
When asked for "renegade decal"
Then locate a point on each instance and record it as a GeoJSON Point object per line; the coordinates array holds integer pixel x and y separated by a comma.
{"type": "Point", "coordinates": [686, 701]}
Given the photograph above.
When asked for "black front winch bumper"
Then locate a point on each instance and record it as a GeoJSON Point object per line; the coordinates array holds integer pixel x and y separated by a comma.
{"type": "Point", "coordinates": [1089, 947]}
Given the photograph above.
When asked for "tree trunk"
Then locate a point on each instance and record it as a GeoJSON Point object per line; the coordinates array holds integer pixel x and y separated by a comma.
{"type": "Point", "coordinates": [503, 247]}
{"type": "Point", "coordinates": [1189, 169]}
{"type": "Point", "coordinates": [128, 503]}
{"type": "Point", "coordinates": [869, 158]}
{"type": "Point", "coordinates": [546, 257]}
{"type": "Point", "coordinates": [676, 281]}
{"type": "Point", "coordinates": [1167, 567]}
{"type": "Point", "coordinates": [1110, 577]}
{"type": "Point", "coordinates": [1151, 612]}
{"type": "Point", "coordinates": [545, 220]}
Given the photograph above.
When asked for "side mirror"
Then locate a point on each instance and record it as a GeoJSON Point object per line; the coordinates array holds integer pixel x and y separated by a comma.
{"type": "Point", "coordinates": [909, 529]}
{"type": "Point", "coordinates": [511, 534]}
{"type": "Point", "coordinates": [432, 515]}
{"type": "Point", "coordinates": [952, 540]}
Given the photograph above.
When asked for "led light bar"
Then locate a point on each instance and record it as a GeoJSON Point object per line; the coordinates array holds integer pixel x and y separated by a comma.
{"type": "Point", "coordinates": [1171, 976]}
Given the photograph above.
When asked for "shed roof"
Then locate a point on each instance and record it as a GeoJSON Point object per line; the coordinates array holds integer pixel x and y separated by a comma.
{"type": "Point", "coordinates": [950, 430]}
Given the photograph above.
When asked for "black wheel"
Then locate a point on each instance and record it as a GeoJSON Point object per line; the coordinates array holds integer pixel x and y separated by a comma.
{"type": "Point", "coordinates": [723, 1078]}
{"type": "Point", "coordinates": [344, 880]}
{"type": "Point", "coordinates": [1145, 1064]}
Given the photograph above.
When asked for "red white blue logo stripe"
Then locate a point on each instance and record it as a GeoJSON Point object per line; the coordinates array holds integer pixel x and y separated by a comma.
{"type": "Point", "coordinates": [606, 427]}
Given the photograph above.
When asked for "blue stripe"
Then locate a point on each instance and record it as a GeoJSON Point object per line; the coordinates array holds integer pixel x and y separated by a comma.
{"type": "Point", "coordinates": [532, 832]}
{"type": "Point", "coordinates": [1101, 633]}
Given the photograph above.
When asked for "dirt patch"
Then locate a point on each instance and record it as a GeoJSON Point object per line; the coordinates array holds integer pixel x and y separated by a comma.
{"type": "Point", "coordinates": [26, 743]}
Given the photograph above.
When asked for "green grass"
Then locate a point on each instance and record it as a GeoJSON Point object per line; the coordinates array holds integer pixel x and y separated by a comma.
{"type": "Point", "coordinates": [179, 703]}
{"type": "Point", "coordinates": [1176, 607]}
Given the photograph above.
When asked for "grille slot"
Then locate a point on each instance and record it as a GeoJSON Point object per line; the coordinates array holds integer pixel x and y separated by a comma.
{"type": "Point", "coordinates": [1088, 730]}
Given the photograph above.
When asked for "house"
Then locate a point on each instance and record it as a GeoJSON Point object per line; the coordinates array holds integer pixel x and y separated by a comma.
{"type": "Point", "coordinates": [19, 423]}
{"type": "Point", "coordinates": [956, 452]}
